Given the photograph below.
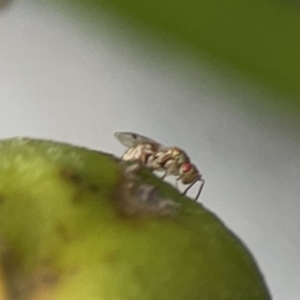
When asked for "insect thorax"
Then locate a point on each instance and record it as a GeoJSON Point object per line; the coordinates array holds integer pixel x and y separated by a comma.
{"type": "Point", "coordinates": [140, 153]}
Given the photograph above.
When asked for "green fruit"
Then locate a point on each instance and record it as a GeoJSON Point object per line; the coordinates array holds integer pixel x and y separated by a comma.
{"type": "Point", "coordinates": [78, 224]}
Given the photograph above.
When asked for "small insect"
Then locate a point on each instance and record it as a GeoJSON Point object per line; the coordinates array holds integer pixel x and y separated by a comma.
{"type": "Point", "coordinates": [153, 155]}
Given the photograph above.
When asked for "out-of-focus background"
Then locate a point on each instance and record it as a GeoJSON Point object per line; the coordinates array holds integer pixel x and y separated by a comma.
{"type": "Point", "coordinates": [221, 80]}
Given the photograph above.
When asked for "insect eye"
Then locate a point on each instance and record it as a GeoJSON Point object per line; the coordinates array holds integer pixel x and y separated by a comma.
{"type": "Point", "coordinates": [134, 136]}
{"type": "Point", "coordinates": [186, 167]}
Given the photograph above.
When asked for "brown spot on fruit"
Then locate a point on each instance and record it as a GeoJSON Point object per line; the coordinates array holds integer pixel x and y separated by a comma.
{"type": "Point", "coordinates": [94, 188]}
{"type": "Point", "coordinates": [63, 232]}
{"type": "Point", "coordinates": [42, 284]}
{"type": "Point", "coordinates": [72, 176]}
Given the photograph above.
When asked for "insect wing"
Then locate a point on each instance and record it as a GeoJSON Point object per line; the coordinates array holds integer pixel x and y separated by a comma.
{"type": "Point", "coordinates": [130, 139]}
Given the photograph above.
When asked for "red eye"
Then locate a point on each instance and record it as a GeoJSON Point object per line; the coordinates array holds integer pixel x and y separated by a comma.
{"type": "Point", "coordinates": [186, 167]}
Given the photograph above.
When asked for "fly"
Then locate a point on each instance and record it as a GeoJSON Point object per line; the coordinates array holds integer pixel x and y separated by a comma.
{"type": "Point", "coordinates": [153, 155]}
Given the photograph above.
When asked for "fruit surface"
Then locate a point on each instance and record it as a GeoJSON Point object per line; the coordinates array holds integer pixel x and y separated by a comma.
{"type": "Point", "coordinates": [78, 224]}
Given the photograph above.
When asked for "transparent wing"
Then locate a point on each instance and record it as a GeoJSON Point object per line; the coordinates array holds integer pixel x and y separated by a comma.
{"type": "Point", "coordinates": [130, 139]}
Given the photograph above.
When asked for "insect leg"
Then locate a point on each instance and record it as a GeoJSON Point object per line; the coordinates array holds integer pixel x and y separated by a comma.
{"type": "Point", "coordinates": [169, 168]}
{"type": "Point", "coordinates": [165, 175]}
{"type": "Point", "coordinates": [176, 182]}
{"type": "Point", "coordinates": [200, 189]}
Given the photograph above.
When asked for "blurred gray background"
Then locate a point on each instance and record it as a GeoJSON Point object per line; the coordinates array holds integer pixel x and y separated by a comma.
{"type": "Point", "coordinates": [65, 82]}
